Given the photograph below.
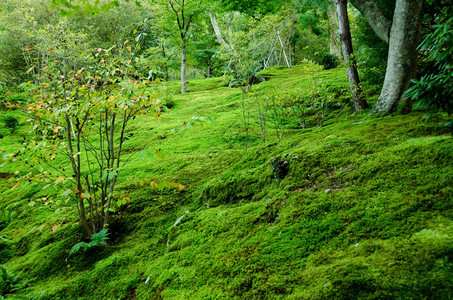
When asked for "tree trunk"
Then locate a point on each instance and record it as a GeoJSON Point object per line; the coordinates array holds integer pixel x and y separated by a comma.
{"type": "Point", "coordinates": [335, 48]}
{"type": "Point", "coordinates": [209, 69]}
{"type": "Point", "coordinates": [183, 67]}
{"type": "Point", "coordinates": [348, 54]}
{"type": "Point", "coordinates": [403, 36]}
{"type": "Point", "coordinates": [402, 59]}
{"type": "Point", "coordinates": [216, 28]}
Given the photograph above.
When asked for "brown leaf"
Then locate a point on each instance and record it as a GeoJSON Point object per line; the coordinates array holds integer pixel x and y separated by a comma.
{"type": "Point", "coordinates": [55, 227]}
{"type": "Point", "coordinates": [59, 179]}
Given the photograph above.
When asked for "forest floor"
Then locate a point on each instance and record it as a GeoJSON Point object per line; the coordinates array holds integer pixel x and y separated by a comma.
{"type": "Point", "coordinates": [349, 207]}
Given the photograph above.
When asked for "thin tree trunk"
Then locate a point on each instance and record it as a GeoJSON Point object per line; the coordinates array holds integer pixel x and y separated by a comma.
{"type": "Point", "coordinates": [402, 59]}
{"type": "Point", "coordinates": [283, 49]}
{"type": "Point", "coordinates": [218, 34]}
{"type": "Point", "coordinates": [209, 69]}
{"type": "Point", "coordinates": [183, 67]}
{"type": "Point", "coordinates": [164, 54]}
{"type": "Point", "coordinates": [348, 55]}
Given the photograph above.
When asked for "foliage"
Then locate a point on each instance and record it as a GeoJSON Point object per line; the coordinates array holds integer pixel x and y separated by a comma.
{"type": "Point", "coordinates": [371, 51]}
{"type": "Point", "coordinates": [11, 122]}
{"type": "Point", "coordinates": [83, 112]}
{"type": "Point", "coordinates": [329, 61]}
{"type": "Point", "coordinates": [254, 8]}
{"type": "Point", "coordinates": [9, 282]}
{"type": "Point", "coordinates": [435, 90]}
{"type": "Point", "coordinates": [97, 239]}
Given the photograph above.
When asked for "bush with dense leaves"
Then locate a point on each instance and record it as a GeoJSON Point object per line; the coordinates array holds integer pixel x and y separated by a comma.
{"type": "Point", "coordinates": [435, 90]}
{"type": "Point", "coordinates": [12, 123]}
{"type": "Point", "coordinates": [329, 61]}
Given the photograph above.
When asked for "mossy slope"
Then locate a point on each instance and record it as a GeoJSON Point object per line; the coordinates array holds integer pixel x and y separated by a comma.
{"type": "Point", "coordinates": [365, 210]}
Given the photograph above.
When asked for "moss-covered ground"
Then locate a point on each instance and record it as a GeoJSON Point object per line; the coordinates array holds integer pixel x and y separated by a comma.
{"type": "Point", "coordinates": [363, 211]}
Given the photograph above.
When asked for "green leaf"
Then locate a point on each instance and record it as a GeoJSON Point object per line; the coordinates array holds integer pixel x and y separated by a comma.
{"type": "Point", "coordinates": [212, 119]}
{"type": "Point", "coordinates": [66, 193]}
{"type": "Point", "coordinates": [112, 174]}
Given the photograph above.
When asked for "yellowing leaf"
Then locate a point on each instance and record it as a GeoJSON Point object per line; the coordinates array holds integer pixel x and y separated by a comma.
{"type": "Point", "coordinates": [59, 179]}
{"type": "Point", "coordinates": [55, 227]}
{"type": "Point", "coordinates": [129, 48]}
{"type": "Point", "coordinates": [15, 186]}
{"type": "Point", "coordinates": [153, 183]}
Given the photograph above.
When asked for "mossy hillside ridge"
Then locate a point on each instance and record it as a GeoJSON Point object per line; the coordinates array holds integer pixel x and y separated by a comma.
{"type": "Point", "coordinates": [365, 210]}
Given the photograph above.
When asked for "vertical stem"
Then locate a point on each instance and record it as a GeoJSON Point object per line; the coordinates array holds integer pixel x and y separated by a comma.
{"type": "Point", "coordinates": [183, 66]}
{"type": "Point", "coordinates": [348, 55]}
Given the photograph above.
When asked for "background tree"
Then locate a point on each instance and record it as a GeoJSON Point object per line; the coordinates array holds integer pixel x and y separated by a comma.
{"type": "Point", "coordinates": [184, 13]}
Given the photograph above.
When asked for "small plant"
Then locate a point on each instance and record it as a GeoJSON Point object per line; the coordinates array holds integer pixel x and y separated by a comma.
{"type": "Point", "coordinates": [329, 61]}
{"type": "Point", "coordinates": [12, 123]}
{"type": "Point", "coordinates": [97, 239]}
{"type": "Point", "coordinates": [9, 282]}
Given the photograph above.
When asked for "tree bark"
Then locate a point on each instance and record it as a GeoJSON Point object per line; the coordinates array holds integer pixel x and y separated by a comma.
{"type": "Point", "coordinates": [402, 59]}
{"type": "Point", "coordinates": [335, 48]}
{"type": "Point", "coordinates": [380, 24]}
{"type": "Point", "coordinates": [403, 35]}
{"type": "Point", "coordinates": [216, 28]}
{"type": "Point", "coordinates": [183, 67]}
{"type": "Point", "coordinates": [184, 22]}
{"type": "Point", "coordinates": [348, 54]}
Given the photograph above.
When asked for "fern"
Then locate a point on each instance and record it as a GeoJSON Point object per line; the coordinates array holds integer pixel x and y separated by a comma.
{"type": "Point", "coordinates": [97, 239]}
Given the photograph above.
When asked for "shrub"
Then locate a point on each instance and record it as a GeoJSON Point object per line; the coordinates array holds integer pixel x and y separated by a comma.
{"type": "Point", "coordinates": [12, 123]}
{"type": "Point", "coordinates": [435, 90]}
{"type": "Point", "coordinates": [329, 61]}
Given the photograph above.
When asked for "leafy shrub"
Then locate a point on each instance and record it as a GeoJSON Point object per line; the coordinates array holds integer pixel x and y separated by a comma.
{"type": "Point", "coordinates": [97, 239]}
{"type": "Point", "coordinates": [329, 61]}
{"type": "Point", "coordinates": [11, 122]}
{"type": "Point", "coordinates": [435, 90]}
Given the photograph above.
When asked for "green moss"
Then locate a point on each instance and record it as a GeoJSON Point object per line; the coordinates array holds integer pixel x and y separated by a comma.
{"type": "Point", "coordinates": [364, 212]}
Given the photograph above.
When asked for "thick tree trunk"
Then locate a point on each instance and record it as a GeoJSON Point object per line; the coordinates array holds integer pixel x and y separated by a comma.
{"type": "Point", "coordinates": [402, 59]}
{"type": "Point", "coordinates": [183, 67]}
{"type": "Point", "coordinates": [348, 54]}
